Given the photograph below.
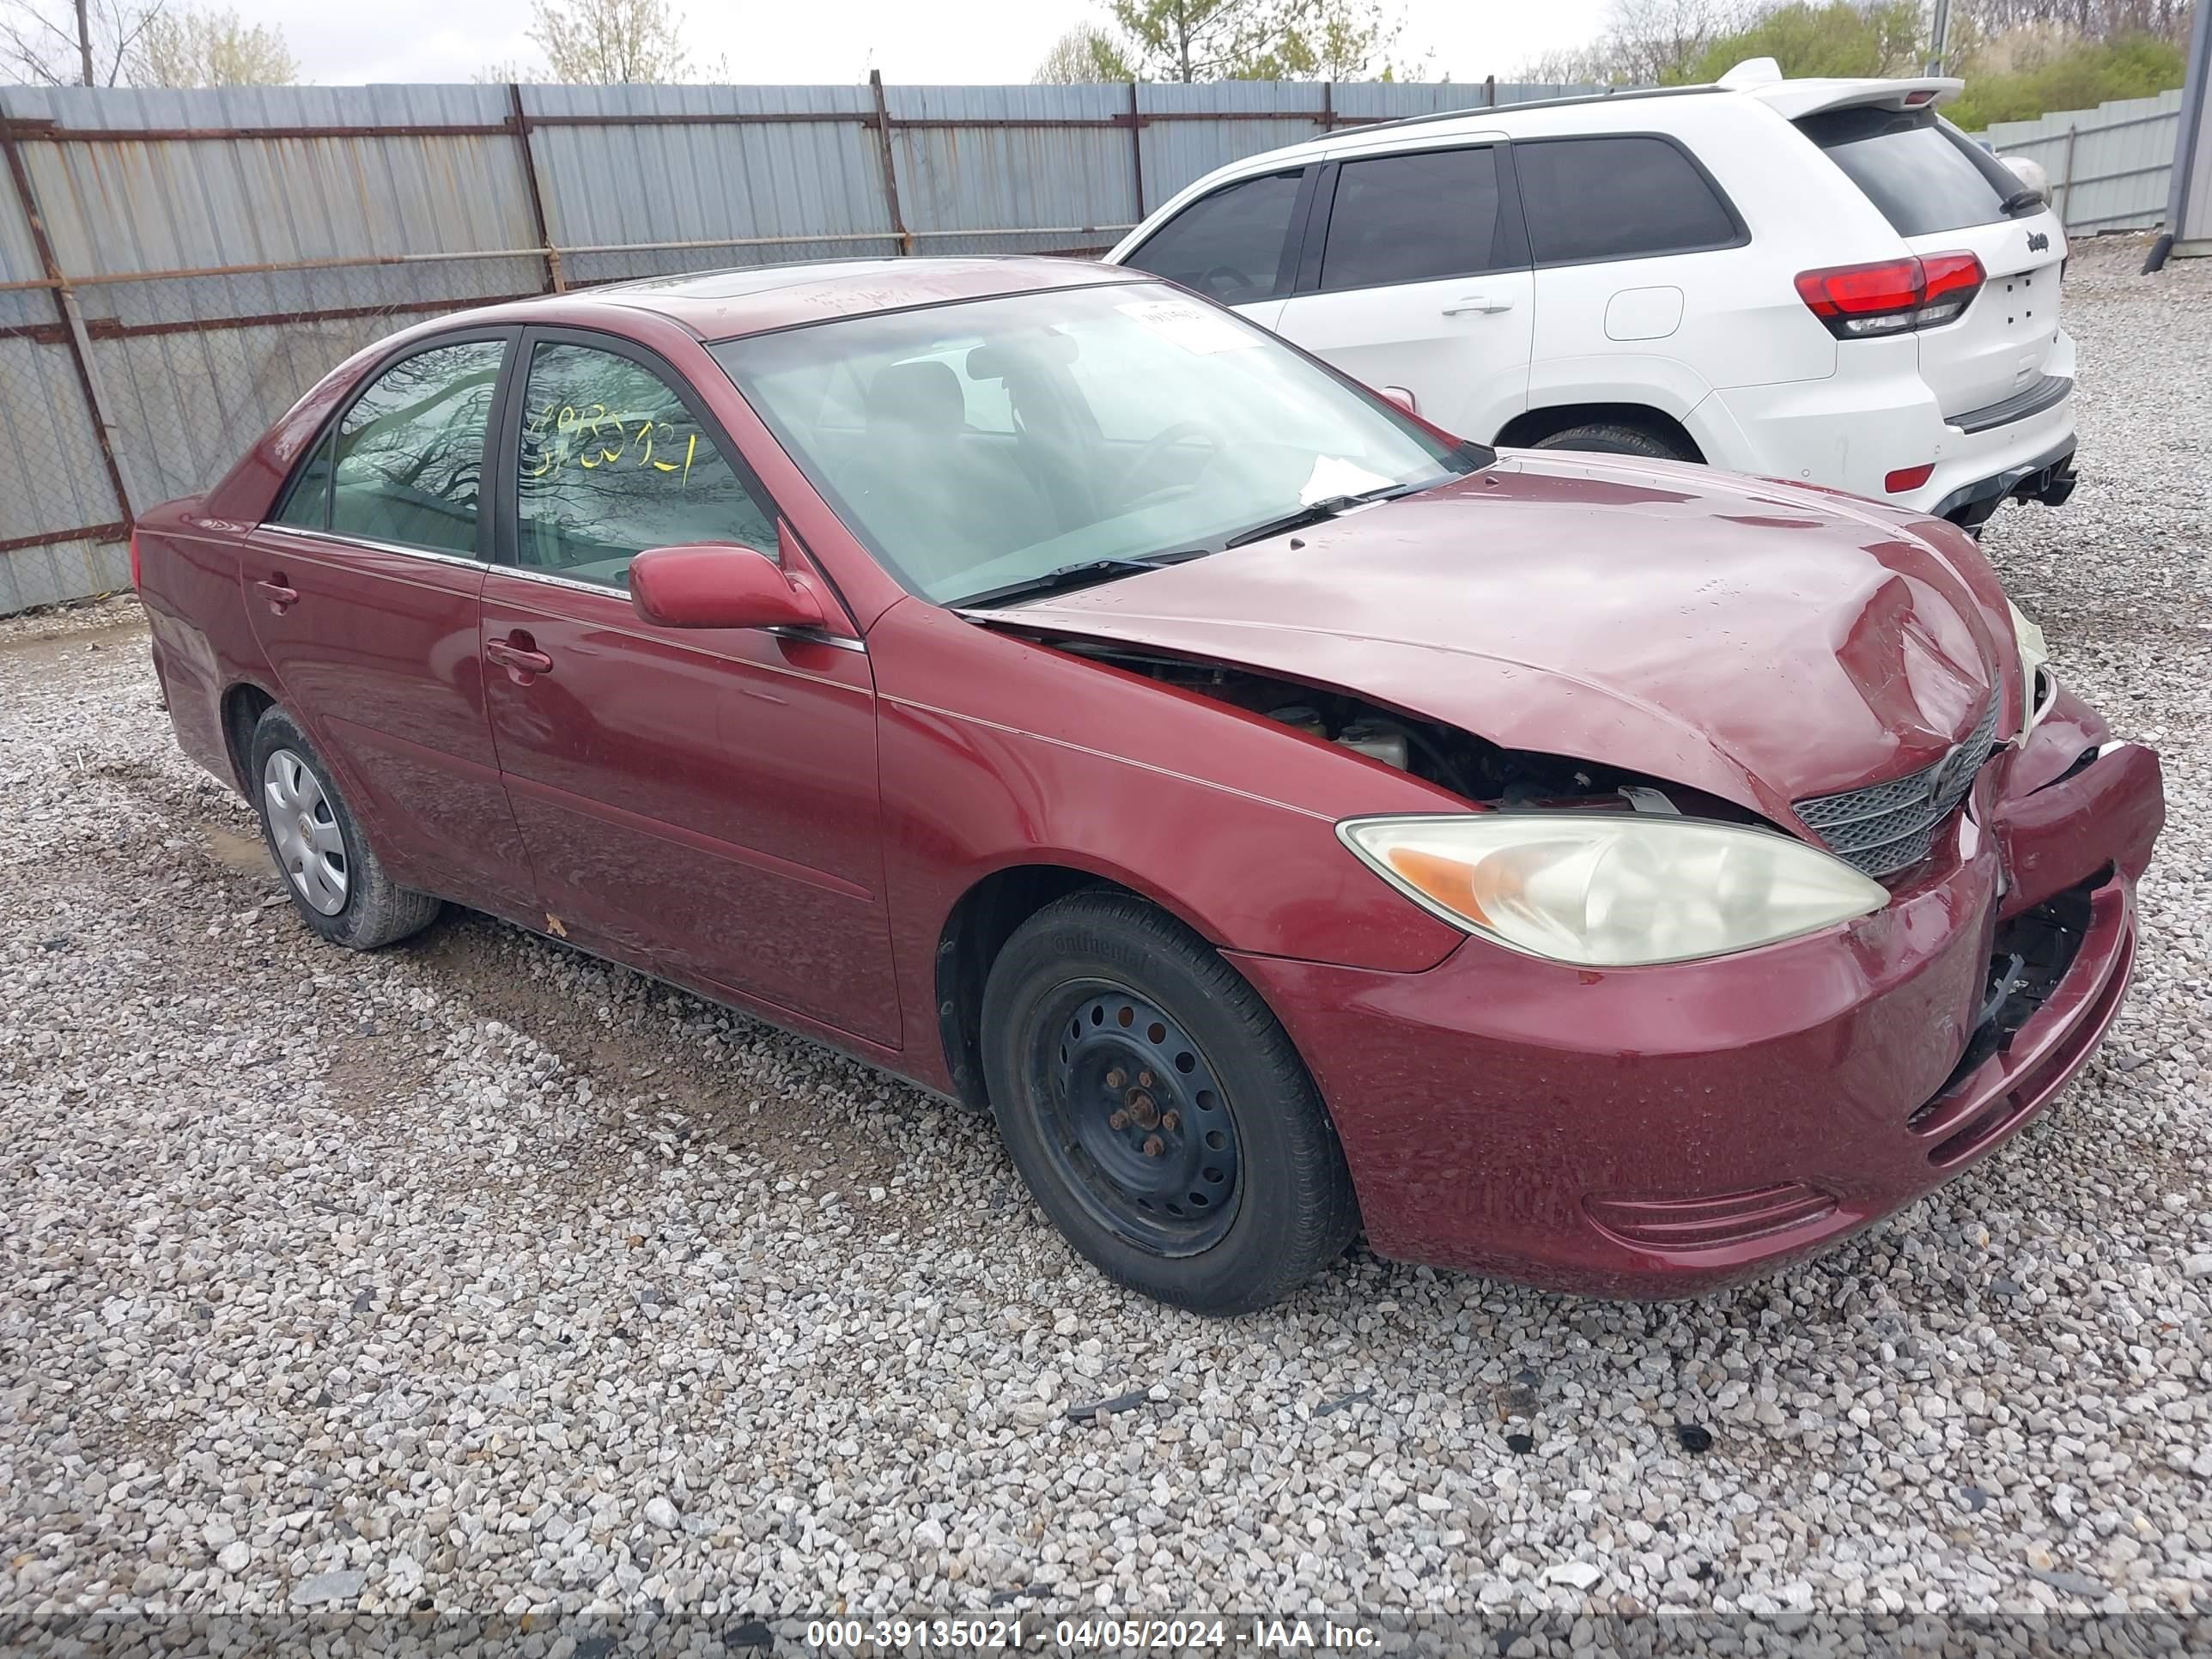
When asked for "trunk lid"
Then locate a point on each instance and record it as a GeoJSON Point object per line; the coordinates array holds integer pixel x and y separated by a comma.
{"type": "Point", "coordinates": [2003, 344]}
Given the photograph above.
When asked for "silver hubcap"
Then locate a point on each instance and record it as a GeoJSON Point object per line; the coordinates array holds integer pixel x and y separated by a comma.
{"type": "Point", "coordinates": [306, 831]}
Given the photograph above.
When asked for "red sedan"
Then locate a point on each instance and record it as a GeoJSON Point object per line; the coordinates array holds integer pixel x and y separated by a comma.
{"type": "Point", "coordinates": [1286, 818]}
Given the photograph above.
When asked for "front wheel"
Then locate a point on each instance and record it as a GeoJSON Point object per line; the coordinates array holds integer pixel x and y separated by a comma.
{"type": "Point", "coordinates": [1157, 1110]}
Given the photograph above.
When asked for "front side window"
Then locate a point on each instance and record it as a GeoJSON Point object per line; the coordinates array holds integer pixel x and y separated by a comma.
{"type": "Point", "coordinates": [1230, 245]}
{"type": "Point", "coordinates": [1413, 218]}
{"type": "Point", "coordinates": [1626, 198]}
{"type": "Point", "coordinates": [1147, 424]}
{"type": "Point", "coordinates": [612, 463]}
{"type": "Point", "coordinates": [1923, 174]}
{"type": "Point", "coordinates": [406, 462]}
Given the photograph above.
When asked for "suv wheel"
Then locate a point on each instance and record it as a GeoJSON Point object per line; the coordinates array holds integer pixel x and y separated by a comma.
{"type": "Point", "coordinates": [1613, 438]}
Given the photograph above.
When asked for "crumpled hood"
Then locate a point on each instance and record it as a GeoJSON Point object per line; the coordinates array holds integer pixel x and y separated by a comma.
{"type": "Point", "coordinates": [1758, 642]}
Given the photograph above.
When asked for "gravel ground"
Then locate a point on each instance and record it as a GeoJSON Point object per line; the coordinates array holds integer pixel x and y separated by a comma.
{"type": "Point", "coordinates": [481, 1275]}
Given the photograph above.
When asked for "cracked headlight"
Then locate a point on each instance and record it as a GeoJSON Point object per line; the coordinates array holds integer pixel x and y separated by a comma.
{"type": "Point", "coordinates": [1603, 890]}
{"type": "Point", "coordinates": [2040, 685]}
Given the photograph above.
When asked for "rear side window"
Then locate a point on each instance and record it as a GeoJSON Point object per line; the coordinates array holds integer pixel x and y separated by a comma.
{"type": "Point", "coordinates": [408, 456]}
{"type": "Point", "coordinates": [1228, 245]}
{"type": "Point", "coordinates": [1626, 198]}
{"type": "Point", "coordinates": [308, 505]}
{"type": "Point", "coordinates": [1924, 174]}
{"type": "Point", "coordinates": [1408, 218]}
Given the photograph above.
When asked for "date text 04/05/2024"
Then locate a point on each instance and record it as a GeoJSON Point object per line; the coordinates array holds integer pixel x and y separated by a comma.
{"type": "Point", "coordinates": [1091, 1635]}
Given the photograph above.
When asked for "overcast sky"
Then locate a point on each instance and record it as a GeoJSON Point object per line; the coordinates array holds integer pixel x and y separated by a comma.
{"type": "Point", "coordinates": [841, 41]}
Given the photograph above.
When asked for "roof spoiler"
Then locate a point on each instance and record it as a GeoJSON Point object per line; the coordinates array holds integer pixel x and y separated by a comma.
{"type": "Point", "coordinates": [1752, 72]}
{"type": "Point", "coordinates": [1799, 98]}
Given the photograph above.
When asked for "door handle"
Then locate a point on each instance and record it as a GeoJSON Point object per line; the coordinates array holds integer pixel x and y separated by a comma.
{"type": "Point", "coordinates": [1482, 302]}
{"type": "Point", "coordinates": [280, 598]}
{"type": "Point", "coordinates": [518, 654]}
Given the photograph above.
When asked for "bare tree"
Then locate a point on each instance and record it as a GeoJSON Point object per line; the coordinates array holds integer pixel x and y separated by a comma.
{"type": "Point", "coordinates": [1085, 53]}
{"type": "Point", "coordinates": [2085, 19]}
{"type": "Point", "coordinates": [1647, 42]}
{"type": "Point", "coordinates": [211, 49]}
{"type": "Point", "coordinates": [1258, 39]}
{"type": "Point", "coordinates": [592, 42]}
{"type": "Point", "coordinates": [71, 43]}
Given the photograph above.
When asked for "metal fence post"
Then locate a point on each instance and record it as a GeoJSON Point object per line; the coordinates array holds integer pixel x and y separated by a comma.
{"type": "Point", "coordinates": [1137, 151]}
{"type": "Point", "coordinates": [554, 282]}
{"type": "Point", "coordinates": [891, 166]}
{"type": "Point", "coordinates": [103, 423]}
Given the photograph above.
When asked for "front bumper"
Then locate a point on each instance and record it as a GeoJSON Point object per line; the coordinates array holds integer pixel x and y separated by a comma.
{"type": "Point", "coordinates": [1657, 1132]}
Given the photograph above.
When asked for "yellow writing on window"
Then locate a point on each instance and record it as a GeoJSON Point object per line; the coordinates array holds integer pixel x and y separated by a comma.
{"type": "Point", "coordinates": [561, 434]}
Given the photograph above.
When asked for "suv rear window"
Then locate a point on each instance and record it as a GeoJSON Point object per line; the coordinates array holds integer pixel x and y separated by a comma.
{"type": "Point", "coordinates": [1228, 245]}
{"type": "Point", "coordinates": [1923, 174]}
{"type": "Point", "coordinates": [1411, 218]}
{"type": "Point", "coordinates": [1626, 198]}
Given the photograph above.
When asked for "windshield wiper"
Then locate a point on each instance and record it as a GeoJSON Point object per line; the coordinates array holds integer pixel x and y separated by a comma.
{"type": "Point", "coordinates": [1322, 511]}
{"type": "Point", "coordinates": [1082, 573]}
{"type": "Point", "coordinates": [2024, 197]}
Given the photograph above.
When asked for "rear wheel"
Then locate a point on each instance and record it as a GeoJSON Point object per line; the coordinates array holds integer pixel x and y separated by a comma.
{"type": "Point", "coordinates": [1616, 438]}
{"type": "Point", "coordinates": [329, 870]}
{"type": "Point", "coordinates": [1157, 1110]}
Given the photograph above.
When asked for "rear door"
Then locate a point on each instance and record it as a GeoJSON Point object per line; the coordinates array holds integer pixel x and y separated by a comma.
{"type": "Point", "coordinates": [1943, 193]}
{"type": "Point", "coordinates": [363, 587]}
{"type": "Point", "coordinates": [1414, 278]}
{"type": "Point", "coordinates": [699, 802]}
{"type": "Point", "coordinates": [1647, 285]}
{"type": "Point", "coordinates": [1237, 244]}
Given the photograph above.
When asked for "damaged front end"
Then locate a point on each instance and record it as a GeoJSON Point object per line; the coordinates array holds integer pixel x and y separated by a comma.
{"type": "Point", "coordinates": [1466, 765]}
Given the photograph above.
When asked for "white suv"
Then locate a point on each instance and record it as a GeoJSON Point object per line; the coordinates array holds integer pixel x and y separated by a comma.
{"type": "Point", "coordinates": [1813, 280]}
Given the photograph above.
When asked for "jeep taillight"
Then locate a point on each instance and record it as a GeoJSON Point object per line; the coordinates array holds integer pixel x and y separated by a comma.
{"type": "Point", "coordinates": [134, 557]}
{"type": "Point", "coordinates": [1859, 302]}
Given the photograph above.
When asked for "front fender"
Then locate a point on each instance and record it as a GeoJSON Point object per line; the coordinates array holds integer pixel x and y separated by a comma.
{"type": "Point", "coordinates": [996, 752]}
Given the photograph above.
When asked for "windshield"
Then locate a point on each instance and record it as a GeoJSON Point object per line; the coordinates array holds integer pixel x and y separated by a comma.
{"type": "Point", "coordinates": [977, 447]}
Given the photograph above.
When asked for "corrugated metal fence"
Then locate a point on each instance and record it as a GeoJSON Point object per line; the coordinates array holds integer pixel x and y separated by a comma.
{"type": "Point", "coordinates": [177, 267]}
{"type": "Point", "coordinates": [2111, 166]}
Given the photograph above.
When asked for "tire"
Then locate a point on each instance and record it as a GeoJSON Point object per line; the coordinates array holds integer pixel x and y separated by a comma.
{"type": "Point", "coordinates": [1157, 1110]}
{"type": "Point", "coordinates": [1613, 438]}
{"type": "Point", "coordinates": [329, 870]}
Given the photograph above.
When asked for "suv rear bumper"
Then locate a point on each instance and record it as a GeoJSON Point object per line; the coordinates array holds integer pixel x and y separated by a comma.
{"type": "Point", "coordinates": [1876, 416]}
{"type": "Point", "coordinates": [2049, 479]}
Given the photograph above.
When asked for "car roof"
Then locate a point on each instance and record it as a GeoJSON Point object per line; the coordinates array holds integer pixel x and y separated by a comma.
{"type": "Point", "coordinates": [1615, 109]}
{"type": "Point", "coordinates": [722, 305]}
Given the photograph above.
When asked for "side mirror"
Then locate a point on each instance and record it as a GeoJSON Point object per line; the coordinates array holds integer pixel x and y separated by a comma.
{"type": "Point", "coordinates": [719, 585]}
{"type": "Point", "coordinates": [2031, 175]}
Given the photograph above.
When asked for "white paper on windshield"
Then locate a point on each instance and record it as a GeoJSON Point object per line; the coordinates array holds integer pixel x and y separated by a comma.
{"type": "Point", "coordinates": [1191, 326]}
{"type": "Point", "coordinates": [1334, 475]}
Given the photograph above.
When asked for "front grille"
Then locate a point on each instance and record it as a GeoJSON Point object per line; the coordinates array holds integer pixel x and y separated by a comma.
{"type": "Point", "coordinates": [1885, 827]}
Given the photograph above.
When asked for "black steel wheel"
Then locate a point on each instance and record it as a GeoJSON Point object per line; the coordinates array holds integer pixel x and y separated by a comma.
{"type": "Point", "coordinates": [1157, 1109]}
{"type": "Point", "coordinates": [1139, 1128]}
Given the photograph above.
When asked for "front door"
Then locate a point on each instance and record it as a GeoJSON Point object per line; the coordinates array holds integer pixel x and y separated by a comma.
{"type": "Point", "coordinates": [363, 587]}
{"type": "Point", "coordinates": [699, 802]}
{"type": "Point", "coordinates": [1421, 284]}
